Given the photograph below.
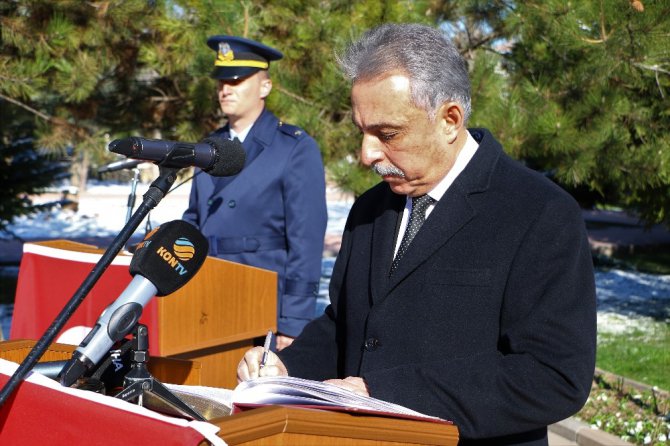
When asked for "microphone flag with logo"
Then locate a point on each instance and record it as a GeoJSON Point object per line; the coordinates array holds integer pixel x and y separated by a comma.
{"type": "Point", "coordinates": [167, 258]}
{"type": "Point", "coordinates": [170, 255]}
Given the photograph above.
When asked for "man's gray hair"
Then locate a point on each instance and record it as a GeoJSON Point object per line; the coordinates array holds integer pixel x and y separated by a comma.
{"type": "Point", "coordinates": [436, 70]}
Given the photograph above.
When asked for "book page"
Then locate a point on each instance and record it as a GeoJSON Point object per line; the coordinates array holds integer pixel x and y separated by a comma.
{"type": "Point", "coordinates": [285, 390]}
{"type": "Point", "coordinates": [210, 402]}
{"type": "Point", "coordinates": [298, 391]}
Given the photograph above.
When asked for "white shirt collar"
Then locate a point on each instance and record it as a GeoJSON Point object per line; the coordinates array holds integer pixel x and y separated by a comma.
{"type": "Point", "coordinates": [462, 160]}
{"type": "Point", "coordinates": [438, 191]}
{"type": "Point", "coordinates": [242, 135]}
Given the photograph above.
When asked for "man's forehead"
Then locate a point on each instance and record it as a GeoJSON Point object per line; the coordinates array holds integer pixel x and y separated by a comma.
{"type": "Point", "coordinates": [395, 80]}
{"type": "Point", "coordinates": [381, 102]}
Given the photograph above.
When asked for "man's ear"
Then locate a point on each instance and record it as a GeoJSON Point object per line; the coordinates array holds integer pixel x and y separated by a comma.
{"type": "Point", "coordinates": [266, 88]}
{"type": "Point", "coordinates": [451, 117]}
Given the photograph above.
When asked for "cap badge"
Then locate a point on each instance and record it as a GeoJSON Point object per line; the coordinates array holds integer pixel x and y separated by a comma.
{"type": "Point", "coordinates": [225, 52]}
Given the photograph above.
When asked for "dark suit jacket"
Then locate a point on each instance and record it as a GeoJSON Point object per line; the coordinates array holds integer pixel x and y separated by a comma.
{"type": "Point", "coordinates": [488, 321]}
{"type": "Point", "coordinates": [271, 215]}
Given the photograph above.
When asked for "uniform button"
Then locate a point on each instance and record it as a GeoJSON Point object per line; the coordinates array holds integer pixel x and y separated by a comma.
{"type": "Point", "coordinates": [371, 344]}
{"type": "Point", "coordinates": [232, 204]}
{"type": "Point", "coordinates": [209, 202]}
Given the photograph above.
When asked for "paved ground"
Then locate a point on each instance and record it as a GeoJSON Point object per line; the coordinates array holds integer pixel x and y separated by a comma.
{"type": "Point", "coordinates": [612, 232]}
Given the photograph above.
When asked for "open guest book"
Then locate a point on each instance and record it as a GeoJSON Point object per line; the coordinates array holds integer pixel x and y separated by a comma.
{"type": "Point", "coordinates": [213, 402]}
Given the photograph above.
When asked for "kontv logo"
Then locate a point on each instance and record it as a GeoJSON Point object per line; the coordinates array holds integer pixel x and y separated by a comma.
{"type": "Point", "coordinates": [182, 249]}
{"type": "Point", "coordinates": [147, 240]}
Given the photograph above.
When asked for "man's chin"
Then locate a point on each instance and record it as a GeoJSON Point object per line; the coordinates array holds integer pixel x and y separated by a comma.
{"type": "Point", "coordinates": [398, 185]}
{"type": "Point", "coordinates": [227, 107]}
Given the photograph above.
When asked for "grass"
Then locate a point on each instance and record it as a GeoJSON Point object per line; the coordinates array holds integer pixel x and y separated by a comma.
{"type": "Point", "coordinates": [646, 262]}
{"type": "Point", "coordinates": [631, 401]}
{"type": "Point", "coordinates": [641, 354]}
{"type": "Point", "coordinates": [650, 262]}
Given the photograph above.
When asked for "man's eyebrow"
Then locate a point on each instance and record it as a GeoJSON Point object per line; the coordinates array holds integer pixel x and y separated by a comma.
{"type": "Point", "coordinates": [380, 126]}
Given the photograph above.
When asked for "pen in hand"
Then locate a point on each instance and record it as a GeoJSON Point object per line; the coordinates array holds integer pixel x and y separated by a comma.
{"type": "Point", "coordinates": [266, 349]}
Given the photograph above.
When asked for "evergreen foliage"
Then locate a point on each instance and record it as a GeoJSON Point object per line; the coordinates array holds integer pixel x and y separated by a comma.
{"type": "Point", "coordinates": [586, 96]}
{"type": "Point", "coordinates": [578, 90]}
{"type": "Point", "coordinates": [24, 170]}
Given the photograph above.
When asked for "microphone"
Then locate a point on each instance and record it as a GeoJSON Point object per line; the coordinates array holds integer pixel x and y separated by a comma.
{"type": "Point", "coordinates": [167, 258]}
{"type": "Point", "coordinates": [119, 165]}
{"type": "Point", "coordinates": [219, 157]}
{"type": "Point", "coordinates": [50, 369]}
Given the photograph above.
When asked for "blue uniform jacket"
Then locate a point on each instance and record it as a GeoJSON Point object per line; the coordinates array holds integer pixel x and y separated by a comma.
{"type": "Point", "coordinates": [271, 215]}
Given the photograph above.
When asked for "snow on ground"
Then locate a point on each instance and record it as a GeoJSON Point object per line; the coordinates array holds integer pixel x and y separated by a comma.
{"type": "Point", "coordinates": [626, 299]}
{"type": "Point", "coordinates": [103, 210]}
{"type": "Point", "coordinates": [629, 300]}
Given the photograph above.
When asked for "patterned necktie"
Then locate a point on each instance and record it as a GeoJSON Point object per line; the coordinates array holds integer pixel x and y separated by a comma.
{"type": "Point", "coordinates": [416, 219]}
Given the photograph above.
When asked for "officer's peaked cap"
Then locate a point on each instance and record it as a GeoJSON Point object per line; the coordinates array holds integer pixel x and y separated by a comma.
{"type": "Point", "coordinates": [237, 57]}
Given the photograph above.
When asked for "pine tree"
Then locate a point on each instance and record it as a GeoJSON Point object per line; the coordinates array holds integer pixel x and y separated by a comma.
{"type": "Point", "coordinates": [309, 91]}
{"type": "Point", "coordinates": [586, 96]}
{"type": "Point", "coordinates": [578, 90]}
{"type": "Point", "coordinates": [74, 66]}
{"type": "Point", "coordinates": [24, 170]}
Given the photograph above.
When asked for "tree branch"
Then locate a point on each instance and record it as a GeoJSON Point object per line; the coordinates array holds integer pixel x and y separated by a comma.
{"type": "Point", "coordinates": [27, 107]}
{"type": "Point", "coordinates": [296, 97]}
{"type": "Point", "coordinates": [603, 32]}
{"type": "Point", "coordinates": [654, 68]}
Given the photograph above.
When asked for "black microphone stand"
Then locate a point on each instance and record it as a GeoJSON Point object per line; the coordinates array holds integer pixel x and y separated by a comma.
{"type": "Point", "coordinates": [139, 383]}
{"type": "Point", "coordinates": [158, 189]}
{"type": "Point", "coordinates": [133, 192]}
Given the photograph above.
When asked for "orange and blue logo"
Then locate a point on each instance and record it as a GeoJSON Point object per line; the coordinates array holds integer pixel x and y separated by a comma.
{"type": "Point", "coordinates": [184, 249]}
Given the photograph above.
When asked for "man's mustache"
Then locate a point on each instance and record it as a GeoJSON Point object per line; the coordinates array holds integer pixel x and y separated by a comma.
{"type": "Point", "coordinates": [387, 170]}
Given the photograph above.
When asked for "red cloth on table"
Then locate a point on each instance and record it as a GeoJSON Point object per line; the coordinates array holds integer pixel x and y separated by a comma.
{"type": "Point", "coordinates": [49, 277]}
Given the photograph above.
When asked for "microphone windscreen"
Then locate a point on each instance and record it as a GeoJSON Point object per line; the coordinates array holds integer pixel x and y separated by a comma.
{"type": "Point", "coordinates": [125, 146]}
{"type": "Point", "coordinates": [230, 156]}
{"type": "Point", "coordinates": [170, 255]}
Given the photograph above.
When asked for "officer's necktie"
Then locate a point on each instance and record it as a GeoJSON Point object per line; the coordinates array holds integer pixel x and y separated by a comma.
{"type": "Point", "coordinates": [416, 219]}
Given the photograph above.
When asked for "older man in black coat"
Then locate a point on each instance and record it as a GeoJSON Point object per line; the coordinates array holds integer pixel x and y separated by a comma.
{"type": "Point", "coordinates": [487, 317]}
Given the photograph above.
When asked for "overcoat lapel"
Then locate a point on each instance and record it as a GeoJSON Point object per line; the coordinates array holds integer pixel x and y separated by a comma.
{"type": "Point", "coordinates": [450, 214]}
{"type": "Point", "coordinates": [258, 139]}
{"type": "Point", "coordinates": [383, 237]}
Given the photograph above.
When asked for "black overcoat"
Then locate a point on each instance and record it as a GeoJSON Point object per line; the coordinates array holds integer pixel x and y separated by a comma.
{"type": "Point", "coordinates": [490, 318]}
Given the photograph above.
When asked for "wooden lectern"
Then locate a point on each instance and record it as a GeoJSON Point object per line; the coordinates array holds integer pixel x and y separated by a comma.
{"type": "Point", "coordinates": [280, 425]}
{"type": "Point", "coordinates": [294, 426]}
{"type": "Point", "coordinates": [213, 319]}
{"type": "Point", "coordinates": [167, 370]}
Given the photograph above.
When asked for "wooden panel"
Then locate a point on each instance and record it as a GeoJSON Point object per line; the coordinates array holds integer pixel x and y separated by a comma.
{"type": "Point", "coordinates": [219, 364]}
{"type": "Point", "coordinates": [218, 313]}
{"type": "Point", "coordinates": [224, 303]}
{"type": "Point", "coordinates": [69, 245]}
{"type": "Point", "coordinates": [281, 425]}
{"type": "Point", "coordinates": [167, 370]}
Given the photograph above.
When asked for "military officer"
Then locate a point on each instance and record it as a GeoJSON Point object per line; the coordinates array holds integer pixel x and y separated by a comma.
{"type": "Point", "coordinates": [272, 214]}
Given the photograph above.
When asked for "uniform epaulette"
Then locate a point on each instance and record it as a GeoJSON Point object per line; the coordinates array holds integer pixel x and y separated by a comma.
{"type": "Point", "coordinates": [291, 130]}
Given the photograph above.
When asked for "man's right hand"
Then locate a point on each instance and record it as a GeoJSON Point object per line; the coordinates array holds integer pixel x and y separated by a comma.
{"type": "Point", "coordinates": [250, 365]}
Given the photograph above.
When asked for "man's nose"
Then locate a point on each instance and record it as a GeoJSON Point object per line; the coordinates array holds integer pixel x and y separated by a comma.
{"type": "Point", "coordinates": [370, 151]}
{"type": "Point", "coordinates": [225, 89]}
